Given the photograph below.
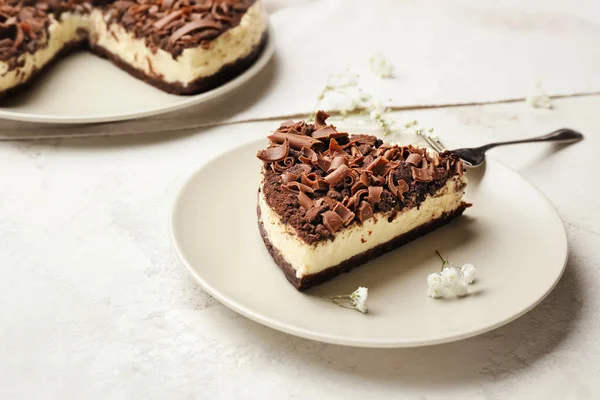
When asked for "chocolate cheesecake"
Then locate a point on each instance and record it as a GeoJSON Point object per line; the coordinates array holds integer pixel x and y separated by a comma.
{"type": "Point", "coordinates": [330, 201]}
{"type": "Point", "coordinates": [179, 46]}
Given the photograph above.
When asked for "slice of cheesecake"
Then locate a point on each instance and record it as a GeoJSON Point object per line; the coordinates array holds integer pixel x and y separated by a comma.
{"type": "Point", "coordinates": [329, 201]}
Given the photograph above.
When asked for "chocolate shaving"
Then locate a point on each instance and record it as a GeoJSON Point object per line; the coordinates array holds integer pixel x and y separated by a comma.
{"type": "Point", "coordinates": [350, 178]}
{"type": "Point", "coordinates": [356, 198]}
{"type": "Point", "coordinates": [275, 153]}
{"type": "Point", "coordinates": [284, 164]}
{"type": "Point", "coordinates": [305, 168]}
{"type": "Point", "coordinates": [458, 168]}
{"type": "Point", "coordinates": [364, 178]}
{"type": "Point", "coordinates": [378, 165]}
{"type": "Point", "coordinates": [337, 175]}
{"type": "Point", "coordinates": [334, 147]}
{"type": "Point", "coordinates": [402, 187]}
{"type": "Point", "coordinates": [328, 132]}
{"type": "Point", "coordinates": [194, 26]}
{"type": "Point", "coordinates": [161, 23]}
{"type": "Point", "coordinates": [345, 213]}
{"type": "Point", "coordinates": [374, 196]}
{"type": "Point", "coordinates": [357, 186]}
{"type": "Point", "coordinates": [287, 124]}
{"type": "Point", "coordinates": [364, 211]}
{"type": "Point", "coordinates": [414, 159]}
{"type": "Point", "coordinates": [288, 177]}
{"type": "Point", "coordinates": [336, 162]}
{"type": "Point", "coordinates": [293, 186]}
{"type": "Point", "coordinates": [320, 119]}
{"type": "Point", "coordinates": [321, 184]}
{"type": "Point", "coordinates": [421, 174]}
{"type": "Point", "coordinates": [332, 221]}
{"type": "Point", "coordinates": [297, 142]}
{"type": "Point", "coordinates": [304, 201]}
{"type": "Point", "coordinates": [308, 180]}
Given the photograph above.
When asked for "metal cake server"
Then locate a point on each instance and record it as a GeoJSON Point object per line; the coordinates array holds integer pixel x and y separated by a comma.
{"type": "Point", "coordinates": [474, 157]}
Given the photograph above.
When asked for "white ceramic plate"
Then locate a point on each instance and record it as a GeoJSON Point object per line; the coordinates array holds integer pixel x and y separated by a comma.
{"type": "Point", "coordinates": [512, 234]}
{"type": "Point", "coordinates": [84, 88]}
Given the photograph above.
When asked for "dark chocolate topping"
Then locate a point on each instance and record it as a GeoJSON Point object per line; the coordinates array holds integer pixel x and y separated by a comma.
{"type": "Point", "coordinates": [170, 25]}
{"type": "Point", "coordinates": [174, 25]}
{"type": "Point", "coordinates": [336, 180]}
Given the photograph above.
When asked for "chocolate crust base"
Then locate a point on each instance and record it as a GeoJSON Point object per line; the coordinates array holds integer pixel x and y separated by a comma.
{"type": "Point", "coordinates": [200, 85]}
{"type": "Point", "coordinates": [309, 281]}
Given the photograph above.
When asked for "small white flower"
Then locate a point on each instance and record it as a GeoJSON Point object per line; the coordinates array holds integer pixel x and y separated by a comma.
{"type": "Point", "coordinates": [468, 271]}
{"type": "Point", "coordinates": [358, 299]}
{"type": "Point", "coordinates": [461, 288]}
{"type": "Point", "coordinates": [451, 276]}
{"type": "Point", "coordinates": [381, 67]}
{"type": "Point", "coordinates": [538, 98]}
{"type": "Point", "coordinates": [435, 285]}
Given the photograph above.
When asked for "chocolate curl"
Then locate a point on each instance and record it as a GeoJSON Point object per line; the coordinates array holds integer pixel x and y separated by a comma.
{"type": "Point", "coordinates": [364, 178]}
{"type": "Point", "coordinates": [308, 180]}
{"type": "Point", "coordinates": [355, 152]}
{"type": "Point", "coordinates": [305, 168]}
{"type": "Point", "coordinates": [390, 167]}
{"type": "Point", "coordinates": [351, 178]}
{"type": "Point", "coordinates": [323, 163]}
{"type": "Point", "coordinates": [336, 162]}
{"type": "Point", "coordinates": [346, 215]}
{"type": "Point", "coordinates": [305, 160]}
{"type": "Point", "coordinates": [422, 174]}
{"type": "Point", "coordinates": [357, 186]}
{"type": "Point", "coordinates": [334, 148]}
{"type": "Point", "coordinates": [293, 186]}
{"type": "Point", "coordinates": [320, 119]}
{"type": "Point", "coordinates": [284, 164]}
{"type": "Point", "coordinates": [390, 154]}
{"type": "Point", "coordinates": [307, 152]}
{"type": "Point", "coordinates": [320, 184]}
{"type": "Point", "coordinates": [328, 132]}
{"type": "Point", "coordinates": [337, 175]}
{"type": "Point", "coordinates": [305, 201]}
{"type": "Point", "coordinates": [205, 23]}
{"type": "Point", "coordinates": [275, 153]}
{"type": "Point", "coordinates": [356, 198]}
{"type": "Point", "coordinates": [414, 159]}
{"type": "Point", "coordinates": [458, 168]}
{"type": "Point", "coordinates": [402, 187]}
{"type": "Point", "coordinates": [378, 180]}
{"type": "Point", "coordinates": [364, 211]}
{"type": "Point", "coordinates": [172, 16]}
{"type": "Point", "coordinates": [377, 165]}
{"type": "Point", "coordinates": [392, 185]}
{"type": "Point", "coordinates": [288, 177]}
{"type": "Point", "coordinates": [332, 221]}
{"type": "Point", "coordinates": [297, 142]}
{"type": "Point", "coordinates": [374, 196]}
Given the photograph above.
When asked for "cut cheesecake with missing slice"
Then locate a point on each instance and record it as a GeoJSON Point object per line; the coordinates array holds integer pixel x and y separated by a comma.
{"type": "Point", "coordinates": [330, 201]}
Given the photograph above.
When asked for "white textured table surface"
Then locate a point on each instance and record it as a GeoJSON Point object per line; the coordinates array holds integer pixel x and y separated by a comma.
{"type": "Point", "coordinates": [94, 303]}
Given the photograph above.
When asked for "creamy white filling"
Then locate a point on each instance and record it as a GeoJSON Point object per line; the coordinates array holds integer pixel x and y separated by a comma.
{"type": "Point", "coordinates": [191, 64]}
{"type": "Point", "coordinates": [59, 34]}
{"type": "Point", "coordinates": [309, 259]}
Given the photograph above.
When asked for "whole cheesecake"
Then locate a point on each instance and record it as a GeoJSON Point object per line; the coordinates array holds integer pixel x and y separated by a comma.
{"type": "Point", "coordinates": [179, 46]}
{"type": "Point", "coordinates": [330, 201]}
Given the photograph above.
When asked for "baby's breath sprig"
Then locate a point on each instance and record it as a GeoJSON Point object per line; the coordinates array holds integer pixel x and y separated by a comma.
{"type": "Point", "coordinates": [357, 300]}
{"type": "Point", "coordinates": [451, 277]}
{"type": "Point", "coordinates": [538, 98]}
